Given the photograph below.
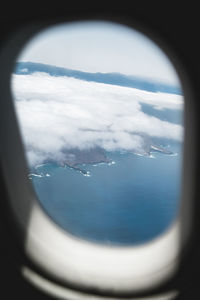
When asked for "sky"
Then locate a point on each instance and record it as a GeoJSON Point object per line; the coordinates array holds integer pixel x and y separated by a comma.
{"type": "Point", "coordinates": [67, 113]}
{"type": "Point", "coordinates": [99, 46]}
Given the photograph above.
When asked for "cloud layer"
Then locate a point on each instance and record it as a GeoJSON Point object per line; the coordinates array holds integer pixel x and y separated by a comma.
{"type": "Point", "coordinates": [61, 112]}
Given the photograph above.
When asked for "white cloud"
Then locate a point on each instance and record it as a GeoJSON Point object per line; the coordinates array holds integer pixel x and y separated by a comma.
{"type": "Point", "coordinates": [61, 112]}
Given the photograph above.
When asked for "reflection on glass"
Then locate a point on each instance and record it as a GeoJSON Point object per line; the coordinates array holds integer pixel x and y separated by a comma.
{"type": "Point", "coordinates": [100, 109]}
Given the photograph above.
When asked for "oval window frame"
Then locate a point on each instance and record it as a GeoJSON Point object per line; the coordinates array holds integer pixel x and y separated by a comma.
{"type": "Point", "coordinates": [24, 210]}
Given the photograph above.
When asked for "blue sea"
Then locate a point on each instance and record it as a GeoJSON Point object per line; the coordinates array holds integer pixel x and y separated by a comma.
{"type": "Point", "coordinates": [129, 201]}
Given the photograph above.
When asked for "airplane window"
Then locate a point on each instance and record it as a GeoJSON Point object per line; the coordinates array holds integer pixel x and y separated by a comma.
{"type": "Point", "coordinates": [100, 108]}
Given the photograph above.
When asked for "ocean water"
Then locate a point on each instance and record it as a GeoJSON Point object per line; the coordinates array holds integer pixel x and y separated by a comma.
{"type": "Point", "coordinates": [130, 201]}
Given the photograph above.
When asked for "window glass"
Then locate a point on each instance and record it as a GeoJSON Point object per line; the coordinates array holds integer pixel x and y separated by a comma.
{"type": "Point", "coordinates": [100, 109]}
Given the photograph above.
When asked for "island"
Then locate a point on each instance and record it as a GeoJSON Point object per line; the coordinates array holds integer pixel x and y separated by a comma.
{"type": "Point", "coordinates": [76, 158]}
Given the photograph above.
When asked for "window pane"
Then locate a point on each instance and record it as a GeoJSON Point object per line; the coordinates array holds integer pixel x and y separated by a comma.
{"type": "Point", "coordinates": [101, 114]}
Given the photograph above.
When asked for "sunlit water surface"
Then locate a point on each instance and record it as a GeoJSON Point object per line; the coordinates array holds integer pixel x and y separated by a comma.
{"type": "Point", "coordinates": [129, 201]}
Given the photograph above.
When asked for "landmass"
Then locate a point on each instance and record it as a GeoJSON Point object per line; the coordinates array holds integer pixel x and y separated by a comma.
{"type": "Point", "coordinates": [76, 158]}
{"type": "Point", "coordinates": [149, 146]}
